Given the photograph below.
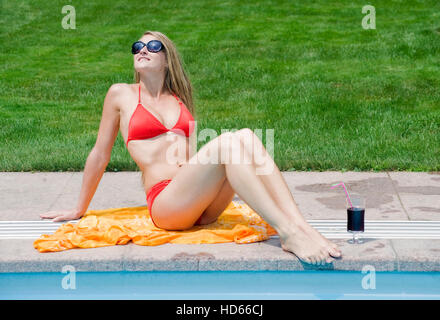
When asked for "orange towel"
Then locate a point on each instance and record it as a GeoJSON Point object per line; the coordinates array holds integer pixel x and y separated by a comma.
{"type": "Point", "coordinates": [99, 228]}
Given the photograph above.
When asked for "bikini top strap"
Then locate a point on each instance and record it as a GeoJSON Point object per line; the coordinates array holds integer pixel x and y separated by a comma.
{"type": "Point", "coordinates": [180, 102]}
{"type": "Point", "coordinates": [139, 100]}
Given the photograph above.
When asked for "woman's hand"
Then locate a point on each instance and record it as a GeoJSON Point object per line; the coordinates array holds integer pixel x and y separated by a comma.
{"type": "Point", "coordinates": [61, 215]}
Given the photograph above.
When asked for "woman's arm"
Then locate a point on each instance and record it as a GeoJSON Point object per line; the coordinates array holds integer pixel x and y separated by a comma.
{"type": "Point", "coordinates": [98, 158]}
{"type": "Point", "coordinates": [100, 155]}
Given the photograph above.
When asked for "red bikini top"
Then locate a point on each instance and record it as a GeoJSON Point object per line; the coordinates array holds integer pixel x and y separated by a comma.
{"type": "Point", "coordinates": [144, 125]}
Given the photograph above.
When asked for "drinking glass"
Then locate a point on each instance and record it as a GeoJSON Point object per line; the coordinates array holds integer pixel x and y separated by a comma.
{"type": "Point", "coordinates": [355, 216]}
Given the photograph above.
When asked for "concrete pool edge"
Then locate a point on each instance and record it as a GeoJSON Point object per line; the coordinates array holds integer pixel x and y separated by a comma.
{"type": "Point", "coordinates": [392, 195]}
{"type": "Point", "coordinates": [383, 255]}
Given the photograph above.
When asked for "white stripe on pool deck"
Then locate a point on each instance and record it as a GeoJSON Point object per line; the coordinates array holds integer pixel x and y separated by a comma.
{"type": "Point", "coordinates": [331, 229]}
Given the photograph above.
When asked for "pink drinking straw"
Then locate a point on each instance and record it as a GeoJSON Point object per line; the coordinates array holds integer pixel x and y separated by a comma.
{"type": "Point", "coordinates": [345, 189]}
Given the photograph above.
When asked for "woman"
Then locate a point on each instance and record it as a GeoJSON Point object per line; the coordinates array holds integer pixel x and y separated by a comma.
{"type": "Point", "coordinates": [185, 191]}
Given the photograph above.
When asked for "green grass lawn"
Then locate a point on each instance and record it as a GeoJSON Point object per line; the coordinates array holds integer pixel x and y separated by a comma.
{"type": "Point", "coordinates": [337, 96]}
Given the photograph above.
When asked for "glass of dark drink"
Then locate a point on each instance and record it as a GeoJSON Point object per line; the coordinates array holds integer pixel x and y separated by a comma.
{"type": "Point", "coordinates": [355, 216]}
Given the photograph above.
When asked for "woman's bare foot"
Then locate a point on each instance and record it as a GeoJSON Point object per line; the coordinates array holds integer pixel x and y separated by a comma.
{"type": "Point", "coordinates": [318, 237]}
{"type": "Point", "coordinates": [315, 235]}
{"type": "Point", "coordinates": [304, 247]}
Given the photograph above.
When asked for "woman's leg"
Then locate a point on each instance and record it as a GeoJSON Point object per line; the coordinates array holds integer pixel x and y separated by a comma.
{"type": "Point", "coordinates": [271, 177]}
{"type": "Point", "coordinates": [274, 181]}
{"type": "Point", "coordinates": [220, 203]}
{"type": "Point", "coordinates": [277, 186]}
{"type": "Point", "coordinates": [197, 183]}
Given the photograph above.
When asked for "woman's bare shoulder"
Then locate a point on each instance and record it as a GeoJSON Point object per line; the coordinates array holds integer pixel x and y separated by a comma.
{"type": "Point", "coordinates": [120, 92]}
{"type": "Point", "coordinates": [120, 88]}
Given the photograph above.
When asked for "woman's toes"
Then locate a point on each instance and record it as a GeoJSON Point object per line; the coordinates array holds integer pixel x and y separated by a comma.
{"type": "Point", "coordinates": [334, 252]}
{"type": "Point", "coordinates": [319, 260]}
{"type": "Point", "coordinates": [329, 260]}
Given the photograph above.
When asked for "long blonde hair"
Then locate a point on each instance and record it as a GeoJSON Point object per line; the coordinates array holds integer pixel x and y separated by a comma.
{"type": "Point", "coordinates": [176, 79]}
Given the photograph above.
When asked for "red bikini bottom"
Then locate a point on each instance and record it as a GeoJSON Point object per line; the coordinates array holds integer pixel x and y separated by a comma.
{"type": "Point", "coordinates": [154, 192]}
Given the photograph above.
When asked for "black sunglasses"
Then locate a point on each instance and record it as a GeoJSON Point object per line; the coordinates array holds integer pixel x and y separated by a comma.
{"type": "Point", "coordinates": [152, 46]}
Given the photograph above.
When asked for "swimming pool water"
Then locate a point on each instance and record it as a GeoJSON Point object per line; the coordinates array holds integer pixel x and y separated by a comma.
{"type": "Point", "coordinates": [224, 285]}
